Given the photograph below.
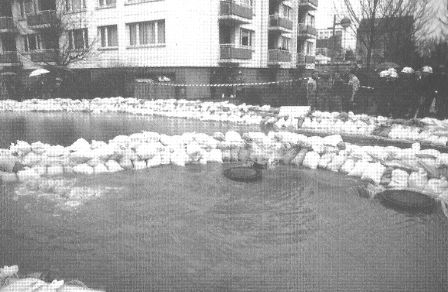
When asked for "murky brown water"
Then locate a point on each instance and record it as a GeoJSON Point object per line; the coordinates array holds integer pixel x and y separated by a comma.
{"type": "Point", "coordinates": [191, 229]}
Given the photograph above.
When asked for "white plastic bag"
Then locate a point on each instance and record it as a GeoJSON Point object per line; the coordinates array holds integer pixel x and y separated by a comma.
{"type": "Point", "coordinates": [359, 168]}
{"type": "Point", "coordinates": [399, 179]}
{"type": "Point", "coordinates": [336, 163]}
{"type": "Point", "coordinates": [374, 172]}
{"type": "Point", "coordinates": [418, 180]}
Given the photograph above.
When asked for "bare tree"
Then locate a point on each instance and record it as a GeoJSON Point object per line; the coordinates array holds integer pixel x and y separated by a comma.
{"type": "Point", "coordinates": [377, 17]}
{"type": "Point", "coordinates": [66, 33]}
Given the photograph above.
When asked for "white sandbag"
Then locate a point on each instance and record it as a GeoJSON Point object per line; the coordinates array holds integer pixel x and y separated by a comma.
{"type": "Point", "coordinates": [113, 166]}
{"type": "Point", "coordinates": [81, 156]}
{"type": "Point", "coordinates": [194, 150]}
{"type": "Point", "coordinates": [300, 157]}
{"type": "Point", "coordinates": [104, 153]}
{"type": "Point", "coordinates": [31, 159]}
{"type": "Point", "coordinates": [39, 147]}
{"type": "Point", "coordinates": [303, 141]}
{"type": "Point", "coordinates": [442, 160]}
{"type": "Point", "coordinates": [325, 160]}
{"type": "Point", "coordinates": [336, 163]}
{"type": "Point", "coordinates": [179, 157]}
{"type": "Point", "coordinates": [406, 154]}
{"type": "Point", "coordinates": [7, 177]}
{"type": "Point", "coordinates": [418, 180]}
{"type": "Point", "coordinates": [147, 150]}
{"type": "Point", "coordinates": [333, 140]}
{"type": "Point", "coordinates": [377, 152]}
{"type": "Point", "coordinates": [399, 179]}
{"type": "Point", "coordinates": [256, 137]}
{"type": "Point", "coordinates": [215, 155]}
{"type": "Point", "coordinates": [140, 164]}
{"type": "Point", "coordinates": [126, 163]}
{"type": "Point", "coordinates": [55, 170]}
{"type": "Point", "coordinates": [97, 144]}
{"type": "Point", "coordinates": [311, 160]}
{"type": "Point", "coordinates": [374, 173]}
{"type": "Point", "coordinates": [428, 153]}
{"type": "Point", "coordinates": [359, 168]}
{"type": "Point", "coordinates": [436, 186]}
{"type": "Point", "coordinates": [100, 168]}
{"type": "Point", "coordinates": [80, 144]}
{"type": "Point", "coordinates": [94, 162]}
{"type": "Point", "coordinates": [154, 162]}
{"type": "Point", "coordinates": [21, 148]}
{"type": "Point", "coordinates": [55, 151]}
{"type": "Point", "coordinates": [219, 136]}
{"type": "Point", "coordinates": [83, 169]}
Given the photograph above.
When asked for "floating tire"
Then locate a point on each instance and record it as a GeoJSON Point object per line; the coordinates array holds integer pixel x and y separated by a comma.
{"type": "Point", "coordinates": [243, 174]}
{"type": "Point", "coordinates": [407, 200]}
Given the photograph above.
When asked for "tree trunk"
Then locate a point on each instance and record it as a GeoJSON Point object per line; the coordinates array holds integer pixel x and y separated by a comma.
{"type": "Point", "coordinates": [371, 42]}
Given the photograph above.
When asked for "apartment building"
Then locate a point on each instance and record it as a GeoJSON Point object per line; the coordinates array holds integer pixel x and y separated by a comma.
{"type": "Point", "coordinates": [188, 41]}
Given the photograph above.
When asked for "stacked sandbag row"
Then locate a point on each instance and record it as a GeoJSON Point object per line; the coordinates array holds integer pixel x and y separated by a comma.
{"type": "Point", "coordinates": [206, 111]}
{"type": "Point", "coordinates": [393, 167]}
{"type": "Point", "coordinates": [428, 131]}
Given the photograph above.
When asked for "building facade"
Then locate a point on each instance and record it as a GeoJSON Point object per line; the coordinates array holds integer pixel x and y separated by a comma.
{"type": "Point", "coordinates": [188, 41]}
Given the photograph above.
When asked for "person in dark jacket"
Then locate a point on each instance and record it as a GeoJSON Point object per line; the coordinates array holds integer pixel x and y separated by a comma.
{"type": "Point", "coordinates": [405, 95]}
{"type": "Point", "coordinates": [441, 87]}
{"type": "Point", "coordinates": [426, 92]}
{"type": "Point", "coordinates": [339, 94]}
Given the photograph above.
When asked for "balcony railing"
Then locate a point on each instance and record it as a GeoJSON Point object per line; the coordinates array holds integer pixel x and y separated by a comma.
{"type": "Point", "coordinates": [310, 59]}
{"type": "Point", "coordinates": [44, 56]}
{"type": "Point", "coordinates": [230, 9]}
{"type": "Point", "coordinates": [275, 21]}
{"type": "Point", "coordinates": [303, 59]}
{"type": "Point", "coordinates": [8, 58]}
{"type": "Point", "coordinates": [6, 24]}
{"type": "Point", "coordinates": [41, 19]}
{"type": "Point", "coordinates": [310, 3]}
{"type": "Point", "coordinates": [300, 59]}
{"type": "Point", "coordinates": [279, 56]}
{"type": "Point", "coordinates": [307, 30]}
{"type": "Point", "coordinates": [233, 52]}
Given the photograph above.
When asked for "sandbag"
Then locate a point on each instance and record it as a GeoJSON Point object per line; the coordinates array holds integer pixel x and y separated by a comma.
{"type": "Point", "coordinates": [154, 162]}
{"type": "Point", "coordinates": [325, 160]}
{"type": "Point", "coordinates": [348, 166]}
{"type": "Point", "coordinates": [436, 186]}
{"type": "Point", "coordinates": [428, 153]}
{"type": "Point", "coordinates": [332, 140]}
{"type": "Point", "coordinates": [311, 160]}
{"type": "Point", "coordinates": [399, 179]}
{"type": "Point", "coordinates": [298, 160]}
{"type": "Point", "coordinates": [418, 180]}
{"type": "Point", "coordinates": [113, 166]}
{"type": "Point", "coordinates": [359, 168]}
{"type": "Point", "coordinates": [373, 173]}
{"type": "Point", "coordinates": [100, 168]}
{"type": "Point", "coordinates": [215, 155]}
{"type": "Point", "coordinates": [336, 163]}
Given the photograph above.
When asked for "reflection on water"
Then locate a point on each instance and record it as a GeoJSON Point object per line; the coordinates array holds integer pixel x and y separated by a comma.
{"type": "Point", "coordinates": [65, 128]}
{"type": "Point", "coordinates": [202, 232]}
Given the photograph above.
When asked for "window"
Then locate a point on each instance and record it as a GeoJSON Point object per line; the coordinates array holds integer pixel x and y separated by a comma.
{"type": "Point", "coordinates": [248, 3]}
{"type": "Point", "coordinates": [310, 20]}
{"type": "Point", "coordinates": [75, 5]}
{"type": "Point", "coordinates": [246, 37]}
{"type": "Point", "coordinates": [31, 42]}
{"type": "Point", "coordinates": [107, 3]}
{"type": "Point", "coordinates": [147, 33]}
{"type": "Point", "coordinates": [284, 43]}
{"type": "Point", "coordinates": [286, 12]}
{"type": "Point", "coordinates": [108, 36]}
{"type": "Point", "coordinates": [45, 5]}
{"type": "Point", "coordinates": [309, 48]}
{"type": "Point", "coordinates": [22, 8]}
{"type": "Point", "coordinates": [78, 39]}
{"type": "Point", "coordinates": [29, 7]}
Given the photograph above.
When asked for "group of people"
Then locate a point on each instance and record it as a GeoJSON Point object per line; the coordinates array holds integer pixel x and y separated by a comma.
{"type": "Point", "coordinates": [404, 93]}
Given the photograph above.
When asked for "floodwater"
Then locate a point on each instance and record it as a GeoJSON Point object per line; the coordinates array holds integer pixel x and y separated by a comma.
{"type": "Point", "coordinates": [190, 229]}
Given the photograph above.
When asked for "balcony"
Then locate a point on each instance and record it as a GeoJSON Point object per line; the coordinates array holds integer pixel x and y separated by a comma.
{"type": "Point", "coordinates": [7, 24]}
{"type": "Point", "coordinates": [235, 13]}
{"type": "Point", "coordinates": [8, 58]}
{"type": "Point", "coordinates": [307, 31]}
{"type": "Point", "coordinates": [277, 56]}
{"type": "Point", "coordinates": [309, 4]}
{"type": "Point", "coordinates": [231, 53]}
{"type": "Point", "coordinates": [303, 60]}
{"type": "Point", "coordinates": [277, 23]}
{"type": "Point", "coordinates": [42, 19]}
{"type": "Point", "coordinates": [44, 56]}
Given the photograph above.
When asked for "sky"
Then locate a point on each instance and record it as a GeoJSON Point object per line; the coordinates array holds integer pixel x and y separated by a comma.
{"type": "Point", "coordinates": [324, 18]}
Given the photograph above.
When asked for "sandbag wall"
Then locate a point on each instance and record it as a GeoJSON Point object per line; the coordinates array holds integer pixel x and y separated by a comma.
{"type": "Point", "coordinates": [391, 167]}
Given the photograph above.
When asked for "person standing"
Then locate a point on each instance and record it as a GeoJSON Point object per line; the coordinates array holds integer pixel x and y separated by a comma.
{"type": "Point", "coordinates": [355, 85]}
{"type": "Point", "coordinates": [405, 97]}
{"type": "Point", "coordinates": [441, 87]}
{"type": "Point", "coordinates": [339, 95]}
{"type": "Point", "coordinates": [312, 91]}
{"type": "Point", "coordinates": [426, 92]}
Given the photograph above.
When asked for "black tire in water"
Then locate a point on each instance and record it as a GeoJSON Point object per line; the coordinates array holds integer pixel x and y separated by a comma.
{"type": "Point", "coordinates": [407, 200]}
{"type": "Point", "coordinates": [243, 174]}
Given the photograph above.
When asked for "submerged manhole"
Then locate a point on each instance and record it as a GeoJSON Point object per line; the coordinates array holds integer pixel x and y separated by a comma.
{"type": "Point", "coordinates": [243, 174]}
{"type": "Point", "coordinates": [407, 200]}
